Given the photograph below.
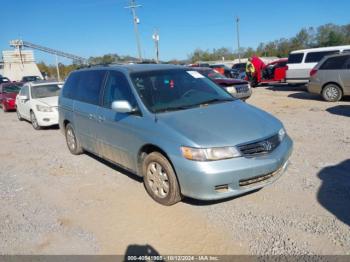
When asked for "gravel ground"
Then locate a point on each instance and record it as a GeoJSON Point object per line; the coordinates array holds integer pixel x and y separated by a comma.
{"type": "Point", "coordinates": [56, 203]}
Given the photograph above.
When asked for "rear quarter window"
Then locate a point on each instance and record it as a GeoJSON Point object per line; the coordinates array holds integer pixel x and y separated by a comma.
{"type": "Point", "coordinates": [334, 63]}
{"type": "Point", "coordinates": [71, 85]}
{"type": "Point", "coordinates": [89, 86]}
{"type": "Point", "coordinates": [295, 58]}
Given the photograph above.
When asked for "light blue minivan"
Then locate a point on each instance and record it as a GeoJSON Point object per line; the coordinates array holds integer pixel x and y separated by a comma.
{"type": "Point", "coordinates": [177, 129]}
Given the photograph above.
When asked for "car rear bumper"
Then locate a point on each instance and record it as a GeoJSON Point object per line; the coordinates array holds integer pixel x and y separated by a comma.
{"type": "Point", "coordinates": [9, 105]}
{"type": "Point", "coordinates": [231, 177]}
{"type": "Point", "coordinates": [297, 80]}
{"type": "Point", "coordinates": [314, 88]}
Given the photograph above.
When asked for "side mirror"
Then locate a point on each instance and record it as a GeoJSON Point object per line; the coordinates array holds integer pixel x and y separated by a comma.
{"type": "Point", "coordinates": [23, 97]}
{"type": "Point", "coordinates": [122, 106]}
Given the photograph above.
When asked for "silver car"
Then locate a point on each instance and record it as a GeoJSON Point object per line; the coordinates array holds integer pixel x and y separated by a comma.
{"type": "Point", "coordinates": [331, 77]}
{"type": "Point", "coordinates": [174, 127]}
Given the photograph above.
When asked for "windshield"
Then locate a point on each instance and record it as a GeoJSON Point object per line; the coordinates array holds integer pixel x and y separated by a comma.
{"type": "Point", "coordinates": [4, 80]}
{"type": "Point", "coordinates": [31, 78]}
{"type": "Point", "coordinates": [176, 89]}
{"type": "Point", "coordinates": [45, 91]}
{"type": "Point", "coordinates": [12, 89]}
{"type": "Point", "coordinates": [212, 74]}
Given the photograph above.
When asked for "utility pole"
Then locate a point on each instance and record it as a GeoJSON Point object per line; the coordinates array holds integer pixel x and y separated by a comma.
{"type": "Point", "coordinates": [238, 45]}
{"type": "Point", "coordinates": [136, 20]}
{"type": "Point", "coordinates": [58, 69]}
{"type": "Point", "coordinates": [155, 37]}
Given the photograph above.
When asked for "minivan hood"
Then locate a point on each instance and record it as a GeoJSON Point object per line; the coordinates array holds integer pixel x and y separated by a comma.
{"type": "Point", "coordinates": [224, 124]}
{"type": "Point", "coordinates": [49, 101]}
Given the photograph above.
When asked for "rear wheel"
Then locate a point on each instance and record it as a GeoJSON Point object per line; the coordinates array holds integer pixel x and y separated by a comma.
{"type": "Point", "coordinates": [160, 180]}
{"type": "Point", "coordinates": [34, 121]}
{"type": "Point", "coordinates": [72, 141]}
{"type": "Point", "coordinates": [332, 93]}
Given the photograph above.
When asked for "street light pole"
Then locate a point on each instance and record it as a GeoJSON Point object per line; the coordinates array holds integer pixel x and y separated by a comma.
{"type": "Point", "coordinates": [136, 21]}
{"type": "Point", "coordinates": [58, 69]}
{"type": "Point", "coordinates": [238, 44]}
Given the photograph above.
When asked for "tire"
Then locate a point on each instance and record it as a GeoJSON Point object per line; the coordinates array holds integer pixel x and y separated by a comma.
{"type": "Point", "coordinates": [160, 180]}
{"type": "Point", "coordinates": [20, 118]}
{"type": "Point", "coordinates": [73, 143]}
{"type": "Point", "coordinates": [332, 93]}
{"type": "Point", "coordinates": [34, 121]}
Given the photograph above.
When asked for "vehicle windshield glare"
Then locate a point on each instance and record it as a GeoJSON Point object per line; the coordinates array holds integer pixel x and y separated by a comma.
{"type": "Point", "coordinates": [45, 91]}
{"type": "Point", "coordinates": [212, 74]}
{"type": "Point", "coordinates": [177, 89]}
{"type": "Point", "coordinates": [12, 89]}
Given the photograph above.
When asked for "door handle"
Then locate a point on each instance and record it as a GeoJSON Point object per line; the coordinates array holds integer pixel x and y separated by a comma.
{"type": "Point", "coordinates": [101, 118]}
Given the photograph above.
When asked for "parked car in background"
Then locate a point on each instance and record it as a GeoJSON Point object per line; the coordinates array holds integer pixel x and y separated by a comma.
{"type": "Point", "coordinates": [37, 102]}
{"type": "Point", "coordinates": [4, 80]}
{"type": "Point", "coordinates": [222, 69]}
{"type": "Point", "coordinates": [331, 77]}
{"type": "Point", "coordinates": [8, 93]}
{"type": "Point", "coordinates": [274, 72]}
{"type": "Point", "coordinates": [174, 127]}
{"type": "Point", "coordinates": [237, 88]}
{"type": "Point", "coordinates": [300, 62]}
{"type": "Point", "coordinates": [26, 79]}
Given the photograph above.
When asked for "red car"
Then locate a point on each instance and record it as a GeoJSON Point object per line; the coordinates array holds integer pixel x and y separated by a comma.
{"type": "Point", "coordinates": [8, 93]}
{"type": "Point", "coordinates": [236, 87]}
{"type": "Point", "coordinates": [270, 73]}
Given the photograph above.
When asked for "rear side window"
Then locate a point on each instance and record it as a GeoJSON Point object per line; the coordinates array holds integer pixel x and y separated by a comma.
{"type": "Point", "coordinates": [89, 86]}
{"type": "Point", "coordinates": [314, 57]}
{"type": "Point", "coordinates": [117, 88]}
{"type": "Point", "coordinates": [295, 58]}
{"type": "Point", "coordinates": [334, 63]}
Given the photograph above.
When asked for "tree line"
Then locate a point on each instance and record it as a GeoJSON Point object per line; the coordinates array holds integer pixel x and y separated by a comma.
{"type": "Point", "coordinates": [325, 35]}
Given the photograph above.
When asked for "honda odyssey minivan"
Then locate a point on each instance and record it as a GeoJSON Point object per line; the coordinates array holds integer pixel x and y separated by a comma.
{"type": "Point", "coordinates": [174, 127]}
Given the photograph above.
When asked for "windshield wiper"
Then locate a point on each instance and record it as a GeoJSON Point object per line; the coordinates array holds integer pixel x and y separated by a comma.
{"type": "Point", "coordinates": [175, 108]}
{"type": "Point", "coordinates": [216, 100]}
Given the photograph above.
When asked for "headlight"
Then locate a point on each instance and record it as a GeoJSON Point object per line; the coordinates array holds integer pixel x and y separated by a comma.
{"type": "Point", "coordinates": [231, 89]}
{"type": "Point", "coordinates": [281, 134]}
{"type": "Point", "coordinates": [43, 108]}
{"type": "Point", "coordinates": [210, 154]}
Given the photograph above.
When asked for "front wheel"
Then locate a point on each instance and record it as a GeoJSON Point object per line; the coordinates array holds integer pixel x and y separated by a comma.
{"type": "Point", "coordinates": [34, 121]}
{"type": "Point", "coordinates": [160, 180]}
{"type": "Point", "coordinates": [20, 118]}
{"type": "Point", "coordinates": [332, 93]}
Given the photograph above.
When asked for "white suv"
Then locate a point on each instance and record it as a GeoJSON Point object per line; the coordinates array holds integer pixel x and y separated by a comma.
{"type": "Point", "coordinates": [37, 102]}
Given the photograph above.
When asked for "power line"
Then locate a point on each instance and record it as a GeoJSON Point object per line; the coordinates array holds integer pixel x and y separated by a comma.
{"type": "Point", "coordinates": [132, 6]}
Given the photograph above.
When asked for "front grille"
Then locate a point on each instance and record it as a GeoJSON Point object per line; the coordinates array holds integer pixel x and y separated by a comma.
{"type": "Point", "coordinates": [255, 180]}
{"type": "Point", "coordinates": [261, 147]}
{"type": "Point", "coordinates": [242, 88]}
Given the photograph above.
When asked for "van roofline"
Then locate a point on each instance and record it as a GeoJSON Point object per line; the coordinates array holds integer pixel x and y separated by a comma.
{"type": "Point", "coordinates": [133, 67]}
{"type": "Point", "coordinates": [330, 48]}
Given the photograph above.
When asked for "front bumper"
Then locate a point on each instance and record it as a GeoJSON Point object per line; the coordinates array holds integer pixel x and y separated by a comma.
{"type": "Point", "coordinates": [201, 180]}
{"type": "Point", "coordinates": [47, 118]}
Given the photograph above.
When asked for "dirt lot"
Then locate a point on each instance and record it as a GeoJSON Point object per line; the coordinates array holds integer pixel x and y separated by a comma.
{"type": "Point", "coordinates": [56, 203]}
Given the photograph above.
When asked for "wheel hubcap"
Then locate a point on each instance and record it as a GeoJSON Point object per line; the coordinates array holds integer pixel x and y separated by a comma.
{"type": "Point", "coordinates": [157, 179]}
{"type": "Point", "coordinates": [332, 92]}
{"type": "Point", "coordinates": [71, 139]}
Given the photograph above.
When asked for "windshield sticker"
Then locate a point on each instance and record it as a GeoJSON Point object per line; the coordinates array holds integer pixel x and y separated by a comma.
{"type": "Point", "coordinates": [195, 74]}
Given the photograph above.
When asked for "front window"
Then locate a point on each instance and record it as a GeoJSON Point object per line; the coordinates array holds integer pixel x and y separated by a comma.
{"type": "Point", "coordinates": [295, 58]}
{"type": "Point", "coordinates": [45, 91]}
{"type": "Point", "coordinates": [12, 89]}
{"type": "Point", "coordinates": [177, 89]}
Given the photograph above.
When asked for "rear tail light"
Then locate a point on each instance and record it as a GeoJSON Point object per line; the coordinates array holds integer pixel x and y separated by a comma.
{"type": "Point", "coordinates": [313, 72]}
